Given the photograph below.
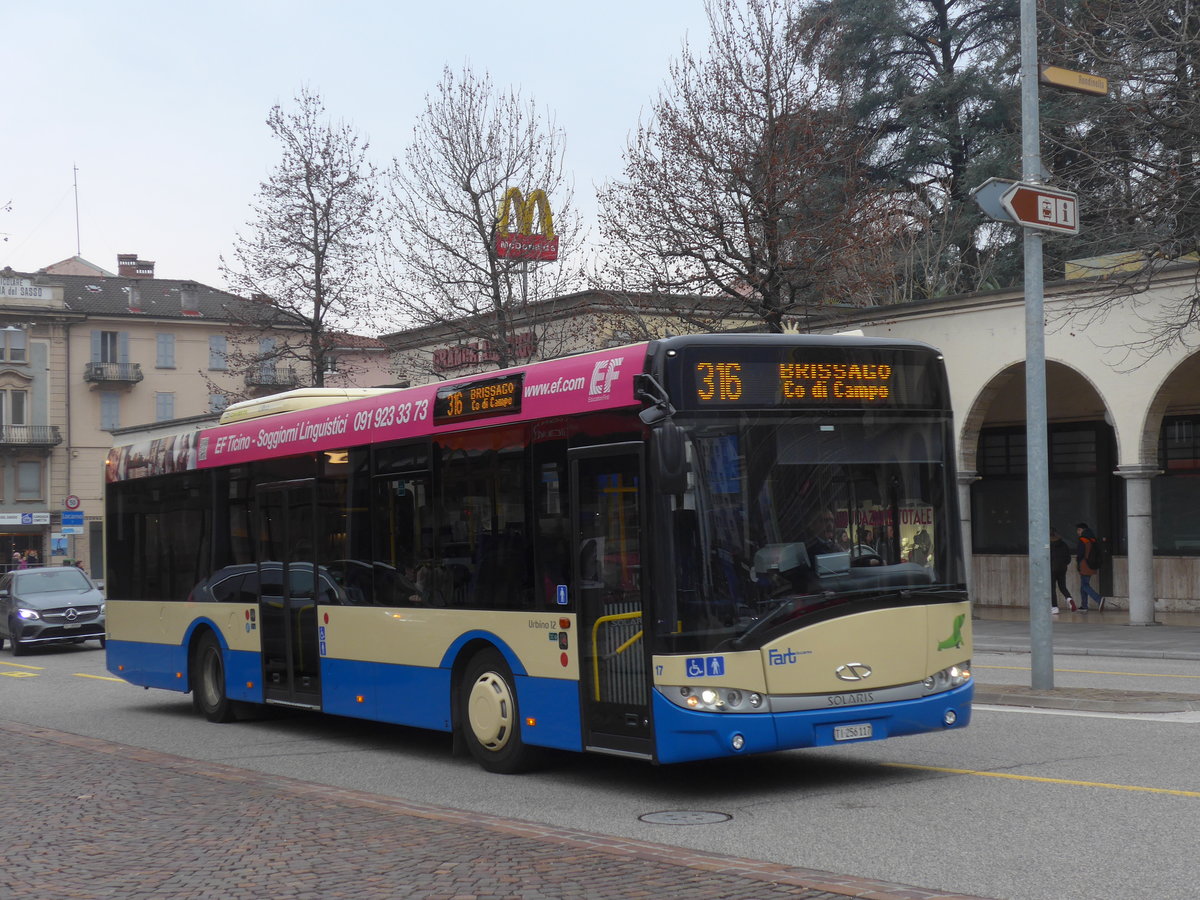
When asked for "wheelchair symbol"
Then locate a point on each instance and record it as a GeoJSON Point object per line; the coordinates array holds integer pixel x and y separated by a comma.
{"type": "Point", "coordinates": [695, 667]}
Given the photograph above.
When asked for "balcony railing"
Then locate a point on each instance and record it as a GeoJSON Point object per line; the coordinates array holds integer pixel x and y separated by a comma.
{"type": "Point", "coordinates": [30, 436]}
{"type": "Point", "coordinates": [108, 372]}
{"type": "Point", "coordinates": [273, 378]}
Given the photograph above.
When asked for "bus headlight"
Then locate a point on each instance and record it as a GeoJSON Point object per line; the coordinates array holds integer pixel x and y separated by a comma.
{"type": "Point", "coordinates": [948, 678]}
{"type": "Point", "coordinates": [720, 699]}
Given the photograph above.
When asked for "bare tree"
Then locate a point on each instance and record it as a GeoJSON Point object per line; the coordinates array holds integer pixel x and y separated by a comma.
{"type": "Point", "coordinates": [308, 255]}
{"type": "Point", "coordinates": [472, 146]}
{"type": "Point", "coordinates": [746, 184]}
{"type": "Point", "coordinates": [1134, 155]}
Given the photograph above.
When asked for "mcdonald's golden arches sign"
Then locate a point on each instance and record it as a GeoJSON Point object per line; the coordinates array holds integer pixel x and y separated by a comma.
{"type": "Point", "coordinates": [525, 243]}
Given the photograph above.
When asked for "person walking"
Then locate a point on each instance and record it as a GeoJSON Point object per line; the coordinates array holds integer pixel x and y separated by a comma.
{"type": "Point", "coordinates": [1085, 556]}
{"type": "Point", "coordinates": [1060, 561]}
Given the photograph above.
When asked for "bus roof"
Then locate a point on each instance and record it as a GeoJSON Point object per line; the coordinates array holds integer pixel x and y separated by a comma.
{"type": "Point", "coordinates": [292, 401]}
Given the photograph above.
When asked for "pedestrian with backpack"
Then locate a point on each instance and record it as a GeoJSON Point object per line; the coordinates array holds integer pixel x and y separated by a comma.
{"type": "Point", "coordinates": [1088, 561]}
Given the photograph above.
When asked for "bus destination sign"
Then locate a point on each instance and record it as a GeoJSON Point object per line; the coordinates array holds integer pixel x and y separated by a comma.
{"type": "Point", "coordinates": [856, 380]}
{"type": "Point", "coordinates": [478, 399]}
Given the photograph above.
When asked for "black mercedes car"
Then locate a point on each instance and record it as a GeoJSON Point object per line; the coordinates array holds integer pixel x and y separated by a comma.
{"type": "Point", "coordinates": [49, 605]}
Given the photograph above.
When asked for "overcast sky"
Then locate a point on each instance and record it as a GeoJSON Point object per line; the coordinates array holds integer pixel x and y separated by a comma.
{"type": "Point", "coordinates": [162, 106]}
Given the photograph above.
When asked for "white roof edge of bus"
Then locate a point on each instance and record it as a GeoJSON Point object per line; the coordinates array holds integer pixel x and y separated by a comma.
{"type": "Point", "coordinates": [291, 401]}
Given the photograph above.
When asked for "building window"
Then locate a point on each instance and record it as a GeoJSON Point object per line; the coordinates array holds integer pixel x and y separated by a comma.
{"type": "Point", "coordinates": [29, 480]}
{"type": "Point", "coordinates": [266, 364]}
{"type": "Point", "coordinates": [164, 351]}
{"type": "Point", "coordinates": [217, 402]}
{"type": "Point", "coordinates": [13, 348]}
{"type": "Point", "coordinates": [1176, 492]}
{"type": "Point", "coordinates": [1082, 486]}
{"type": "Point", "coordinates": [110, 410]}
{"type": "Point", "coordinates": [218, 352]}
{"type": "Point", "coordinates": [164, 406]}
{"type": "Point", "coordinates": [110, 346]}
{"type": "Point", "coordinates": [13, 407]}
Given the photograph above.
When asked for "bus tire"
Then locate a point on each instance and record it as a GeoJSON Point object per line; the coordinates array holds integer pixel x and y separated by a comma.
{"type": "Point", "coordinates": [208, 681]}
{"type": "Point", "coordinates": [490, 718]}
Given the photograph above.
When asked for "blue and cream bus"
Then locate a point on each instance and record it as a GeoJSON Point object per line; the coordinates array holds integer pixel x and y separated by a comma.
{"type": "Point", "coordinates": [690, 548]}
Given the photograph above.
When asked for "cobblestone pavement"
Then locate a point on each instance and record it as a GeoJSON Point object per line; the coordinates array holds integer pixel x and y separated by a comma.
{"type": "Point", "coordinates": [85, 818]}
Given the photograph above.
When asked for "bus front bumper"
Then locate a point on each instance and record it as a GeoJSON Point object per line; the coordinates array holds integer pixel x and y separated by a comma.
{"type": "Point", "coordinates": [684, 734]}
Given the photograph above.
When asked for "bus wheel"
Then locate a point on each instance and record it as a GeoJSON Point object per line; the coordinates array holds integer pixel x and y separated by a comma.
{"type": "Point", "coordinates": [489, 716]}
{"type": "Point", "coordinates": [208, 681]}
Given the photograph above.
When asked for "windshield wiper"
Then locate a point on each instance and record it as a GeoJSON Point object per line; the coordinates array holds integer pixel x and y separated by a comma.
{"type": "Point", "coordinates": [786, 606]}
{"type": "Point", "coordinates": [933, 593]}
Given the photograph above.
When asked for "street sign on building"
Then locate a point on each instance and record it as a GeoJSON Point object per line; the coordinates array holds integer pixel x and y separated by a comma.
{"type": "Point", "coordinates": [72, 518]}
{"type": "Point", "coordinates": [1042, 207]}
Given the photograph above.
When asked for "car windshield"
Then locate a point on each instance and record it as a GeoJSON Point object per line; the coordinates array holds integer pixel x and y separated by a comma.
{"type": "Point", "coordinates": [784, 517]}
{"type": "Point", "coordinates": [65, 579]}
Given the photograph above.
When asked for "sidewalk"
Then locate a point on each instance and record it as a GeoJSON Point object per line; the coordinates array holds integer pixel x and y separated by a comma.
{"type": "Point", "coordinates": [85, 818]}
{"type": "Point", "coordinates": [1006, 630]}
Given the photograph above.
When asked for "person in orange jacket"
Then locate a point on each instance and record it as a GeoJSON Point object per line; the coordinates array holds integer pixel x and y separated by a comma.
{"type": "Point", "coordinates": [1087, 540]}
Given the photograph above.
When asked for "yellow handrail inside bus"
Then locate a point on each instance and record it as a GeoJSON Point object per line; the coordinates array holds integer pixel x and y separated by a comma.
{"type": "Point", "coordinates": [596, 644]}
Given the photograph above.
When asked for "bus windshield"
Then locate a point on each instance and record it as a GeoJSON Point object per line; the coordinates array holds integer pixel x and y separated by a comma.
{"type": "Point", "coordinates": [786, 517]}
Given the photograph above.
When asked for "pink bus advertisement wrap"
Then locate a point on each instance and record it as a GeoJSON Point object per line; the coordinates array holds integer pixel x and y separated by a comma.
{"type": "Point", "coordinates": [588, 382]}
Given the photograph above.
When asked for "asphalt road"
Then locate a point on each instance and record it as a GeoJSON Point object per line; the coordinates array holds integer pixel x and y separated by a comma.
{"type": "Point", "coordinates": [1025, 803]}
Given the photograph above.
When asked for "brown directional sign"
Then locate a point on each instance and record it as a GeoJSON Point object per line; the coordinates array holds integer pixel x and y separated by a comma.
{"type": "Point", "coordinates": [1073, 81]}
{"type": "Point", "coordinates": [1039, 206]}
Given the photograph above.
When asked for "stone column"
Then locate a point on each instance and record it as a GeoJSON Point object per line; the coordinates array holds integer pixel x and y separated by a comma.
{"type": "Point", "coordinates": [1139, 528]}
{"type": "Point", "coordinates": [965, 480]}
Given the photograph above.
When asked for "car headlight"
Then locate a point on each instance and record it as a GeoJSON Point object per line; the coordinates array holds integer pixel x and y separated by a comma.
{"type": "Point", "coordinates": [721, 699]}
{"type": "Point", "coordinates": [102, 605]}
{"type": "Point", "coordinates": [28, 614]}
{"type": "Point", "coordinates": [950, 677]}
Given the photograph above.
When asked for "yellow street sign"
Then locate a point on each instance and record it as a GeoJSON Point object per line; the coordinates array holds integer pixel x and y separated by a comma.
{"type": "Point", "coordinates": [1073, 81]}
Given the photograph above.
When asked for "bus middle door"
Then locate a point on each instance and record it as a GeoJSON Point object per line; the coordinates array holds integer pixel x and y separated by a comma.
{"type": "Point", "coordinates": [287, 594]}
{"type": "Point", "coordinates": [614, 659]}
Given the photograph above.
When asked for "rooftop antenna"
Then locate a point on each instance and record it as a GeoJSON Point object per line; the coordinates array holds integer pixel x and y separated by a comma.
{"type": "Point", "coordinates": [78, 249]}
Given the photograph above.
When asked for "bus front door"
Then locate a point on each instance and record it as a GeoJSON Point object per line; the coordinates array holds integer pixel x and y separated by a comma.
{"type": "Point", "coordinates": [287, 594]}
{"type": "Point", "coordinates": [614, 659]}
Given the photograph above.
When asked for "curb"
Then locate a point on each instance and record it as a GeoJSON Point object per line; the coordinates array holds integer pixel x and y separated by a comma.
{"type": "Point", "coordinates": [1085, 699]}
{"type": "Point", "coordinates": [987, 647]}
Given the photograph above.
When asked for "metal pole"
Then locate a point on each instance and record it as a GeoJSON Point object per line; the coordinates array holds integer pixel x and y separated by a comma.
{"type": "Point", "coordinates": [1037, 468]}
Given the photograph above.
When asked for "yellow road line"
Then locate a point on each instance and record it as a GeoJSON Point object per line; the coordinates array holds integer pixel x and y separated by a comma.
{"type": "Point", "coordinates": [1068, 781]}
{"type": "Point", "coordinates": [1092, 672]}
{"type": "Point", "coordinates": [99, 677]}
{"type": "Point", "coordinates": [19, 666]}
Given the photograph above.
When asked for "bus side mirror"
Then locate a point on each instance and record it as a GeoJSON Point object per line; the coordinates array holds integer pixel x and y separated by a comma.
{"type": "Point", "coordinates": [668, 457]}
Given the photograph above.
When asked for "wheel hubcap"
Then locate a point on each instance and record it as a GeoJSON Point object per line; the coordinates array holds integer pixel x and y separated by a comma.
{"type": "Point", "coordinates": [490, 710]}
{"type": "Point", "coordinates": [212, 676]}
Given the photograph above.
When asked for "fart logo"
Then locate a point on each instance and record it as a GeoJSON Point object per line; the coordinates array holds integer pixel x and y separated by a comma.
{"type": "Point", "coordinates": [786, 657]}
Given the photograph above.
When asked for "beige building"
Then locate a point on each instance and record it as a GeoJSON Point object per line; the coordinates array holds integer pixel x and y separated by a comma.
{"type": "Point", "coordinates": [89, 355]}
{"type": "Point", "coordinates": [546, 329]}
